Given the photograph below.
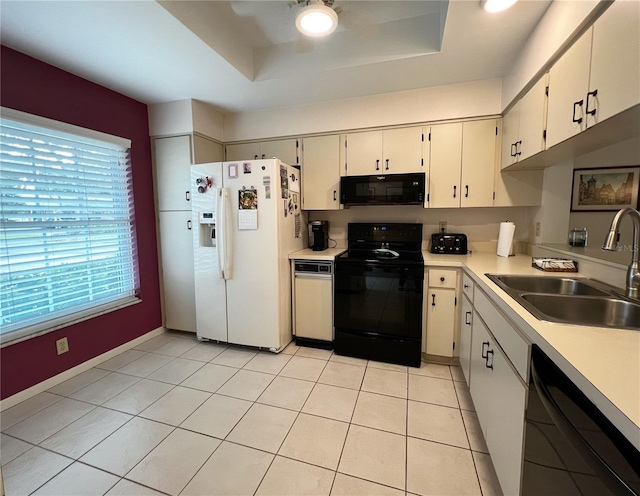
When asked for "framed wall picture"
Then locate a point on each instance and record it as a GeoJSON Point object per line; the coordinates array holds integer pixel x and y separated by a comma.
{"type": "Point", "coordinates": [596, 190]}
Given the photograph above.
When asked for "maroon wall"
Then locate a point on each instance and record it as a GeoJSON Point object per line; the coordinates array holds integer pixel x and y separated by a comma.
{"type": "Point", "coordinates": [34, 87]}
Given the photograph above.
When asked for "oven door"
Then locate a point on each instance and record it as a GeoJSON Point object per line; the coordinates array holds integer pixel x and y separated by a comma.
{"type": "Point", "coordinates": [378, 298]}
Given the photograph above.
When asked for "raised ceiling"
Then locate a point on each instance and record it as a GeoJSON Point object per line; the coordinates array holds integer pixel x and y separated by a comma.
{"type": "Point", "coordinates": [247, 55]}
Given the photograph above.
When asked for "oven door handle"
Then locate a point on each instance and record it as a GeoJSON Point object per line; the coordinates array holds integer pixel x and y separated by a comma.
{"type": "Point", "coordinates": [599, 466]}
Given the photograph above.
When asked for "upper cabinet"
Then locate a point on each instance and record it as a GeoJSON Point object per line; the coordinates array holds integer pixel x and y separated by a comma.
{"type": "Point", "coordinates": [321, 173]}
{"type": "Point", "coordinates": [599, 75]}
{"type": "Point", "coordinates": [285, 150]}
{"type": "Point", "coordinates": [463, 161]}
{"type": "Point", "coordinates": [391, 151]}
{"type": "Point", "coordinates": [523, 127]}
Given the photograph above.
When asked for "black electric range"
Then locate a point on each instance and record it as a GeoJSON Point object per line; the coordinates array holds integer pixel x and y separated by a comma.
{"type": "Point", "coordinates": [378, 293]}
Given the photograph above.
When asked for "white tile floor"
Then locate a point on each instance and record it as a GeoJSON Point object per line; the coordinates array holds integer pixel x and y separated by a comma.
{"type": "Point", "coordinates": [175, 416]}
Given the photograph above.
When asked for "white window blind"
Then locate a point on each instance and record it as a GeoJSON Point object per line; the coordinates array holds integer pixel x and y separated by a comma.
{"type": "Point", "coordinates": [67, 238]}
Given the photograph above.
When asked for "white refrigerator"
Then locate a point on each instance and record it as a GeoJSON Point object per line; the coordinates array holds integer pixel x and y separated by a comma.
{"type": "Point", "coordinates": [246, 219]}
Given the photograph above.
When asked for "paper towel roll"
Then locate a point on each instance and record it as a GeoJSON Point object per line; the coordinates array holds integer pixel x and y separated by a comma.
{"type": "Point", "coordinates": [505, 238]}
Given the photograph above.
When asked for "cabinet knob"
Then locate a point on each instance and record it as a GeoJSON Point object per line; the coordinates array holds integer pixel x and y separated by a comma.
{"type": "Point", "coordinates": [189, 225]}
{"type": "Point", "coordinates": [466, 193]}
{"type": "Point", "coordinates": [442, 279]}
{"type": "Point", "coordinates": [433, 300]}
{"type": "Point", "coordinates": [263, 155]}
{"type": "Point", "coordinates": [255, 157]}
{"type": "Point", "coordinates": [518, 146]}
{"type": "Point", "coordinates": [514, 149]}
{"type": "Point", "coordinates": [387, 167]}
{"type": "Point", "coordinates": [454, 191]}
{"type": "Point", "coordinates": [466, 286]}
{"type": "Point", "coordinates": [377, 164]}
{"type": "Point", "coordinates": [187, 195]}
{"type": "Point", "coordinates": [467, 318]}
{"type": "Point", "coordinates": [594, 94]}
{"type": "Point", "coordinates": [334, 195]}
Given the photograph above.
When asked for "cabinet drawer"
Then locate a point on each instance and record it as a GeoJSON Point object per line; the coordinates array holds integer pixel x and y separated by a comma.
{"type": "Point", "coordinates": [442, 278]}
{"type": "Point", "coordinates": [467, 286]}
{"type": "Point", "coordinates": [515, 347]}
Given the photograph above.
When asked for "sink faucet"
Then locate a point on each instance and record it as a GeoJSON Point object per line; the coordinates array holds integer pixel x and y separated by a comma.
{"type": "Point", "coordinates": [611, 244]}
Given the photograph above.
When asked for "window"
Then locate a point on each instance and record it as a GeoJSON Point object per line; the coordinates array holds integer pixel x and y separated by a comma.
{"type": "Point", "coordinates": [67, 234]}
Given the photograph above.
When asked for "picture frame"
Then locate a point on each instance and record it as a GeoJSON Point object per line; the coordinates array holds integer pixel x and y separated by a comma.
{"type": "Point", "coordinates": [605, 189]}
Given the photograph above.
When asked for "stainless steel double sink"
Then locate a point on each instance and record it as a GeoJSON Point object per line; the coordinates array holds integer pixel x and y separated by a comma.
{"type": "Point", "coordinates": [571, 300]}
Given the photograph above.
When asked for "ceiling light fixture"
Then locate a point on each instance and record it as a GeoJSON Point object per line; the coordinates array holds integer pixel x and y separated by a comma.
{"type": "Point", "coordinates": [316, 19]}
{"type": "Point", "coordinates": [496, 5]}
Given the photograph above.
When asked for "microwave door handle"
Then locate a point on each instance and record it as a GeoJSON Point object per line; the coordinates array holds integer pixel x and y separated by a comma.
{"type": "Point", "coordinates": [600, 467]}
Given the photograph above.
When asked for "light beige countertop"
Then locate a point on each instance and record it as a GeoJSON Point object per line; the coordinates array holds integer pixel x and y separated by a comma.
{"type": "Point", "coordinates": [603, 363]}
{"type": "Point", "coordinates": [308, 254]}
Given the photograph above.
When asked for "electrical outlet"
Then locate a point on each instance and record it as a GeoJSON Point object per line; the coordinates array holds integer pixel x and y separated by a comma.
{"type": "Point", "coordinates": [442, 226]}
{"type": "Point", "coordinates": [62, 345]}
{"type": "Point", "coordinates": [537, 229]}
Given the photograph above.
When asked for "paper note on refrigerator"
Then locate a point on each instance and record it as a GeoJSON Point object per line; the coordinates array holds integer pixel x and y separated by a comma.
{"type": "Point", "coordinates": [247, 220]}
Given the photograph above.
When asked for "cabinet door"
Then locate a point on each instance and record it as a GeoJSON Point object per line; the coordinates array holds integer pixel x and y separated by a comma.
{"type": "Point", "coordinates": [314, 308]}
{"type": "Point", "coordinates": [466, 338]}
{"type": "Point", "coordinates": [446, 161]}
{"type": "Point", "coordinates": [510, 136]}
{"type": "Point", "coordinates": [172, 160]}
{"type": "Point", "coordinates": [505, 438]}
{"type": "Point", "coordinates": [321, 173]}
{"type": "Point", "coordinates": [364, 153]}
{"type": "Point", "coordinates": [205, 150]}
{"type": "Point", "coordinates": [402, 150]}
{"type": "Point", "coordinates": [480, 386]}
{"type": "Point", "coordinates": [243, 151]}
{"type": "Point", "coordinates": [176, 255]}
{"type": "Point", "coordinates": [478, 163]}
{"type": "Point", "coordinates": [440, 321]}
{"type": "Point", "coordinates": [532, 122]}
{"type": "Point", "coordinates": [615, 61]}
{"type": "Point", "coordinates": [568, 83]}
{"type": "Point", "coordinates": [285, 150]}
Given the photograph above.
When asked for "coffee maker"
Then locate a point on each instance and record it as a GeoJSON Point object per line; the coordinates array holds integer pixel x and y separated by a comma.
{"type": "Point", "coordinates": [319, 235]}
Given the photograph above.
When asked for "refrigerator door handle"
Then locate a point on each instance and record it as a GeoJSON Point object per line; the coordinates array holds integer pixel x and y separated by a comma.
{"type": "Point", "coordinates": [224, 225]}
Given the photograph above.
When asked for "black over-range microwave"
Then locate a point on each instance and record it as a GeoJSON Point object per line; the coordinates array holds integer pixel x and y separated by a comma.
{"type": "Point", "coordinates": [383, 189]}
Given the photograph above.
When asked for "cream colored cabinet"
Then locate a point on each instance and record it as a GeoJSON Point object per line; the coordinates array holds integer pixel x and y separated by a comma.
{"type": "Point", "coordinates": [313, 307]}
{"type": "Point", "coordinates": [523, 127]}
{"type": "Point", "coordinates": [614, 81]}
{"type": "Point", "coordinates": [498, 369]}
{"type": "Point", "coordinates": [392, 151]}
{"type": "Point", "coordinates": [499, 396]}
{"type": "Point", "coordinates": [445, 165]}
{"type": "Point", "coordinates": [440, 312]}
{"type": "Point", "coordinates": [479, 158]}
{"type": "Point", "coordinates": [321, 173]}
{"type": "Point", "coordinates": [172, 158]}
{"type": "Point", "coordinates": [598, 76]}
{"type": "Point", "coordinates": [286, 150]}
{"type": "Point", "coordinates": [463, 161]}
{"type": "Point", "coordinates": [176, 263]}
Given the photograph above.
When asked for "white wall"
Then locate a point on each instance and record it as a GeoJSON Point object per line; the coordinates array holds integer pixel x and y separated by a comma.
{"type": "Point", "coordinates": [185, 117]}
{"type": "Point", "coordinates": [597, 223]}
{"type": "Point", "coordinates": [562, 21]}
{"type": "Point", "coordinates": [478, 98]}
{"type": "Point", "coordinates": [481, 225]}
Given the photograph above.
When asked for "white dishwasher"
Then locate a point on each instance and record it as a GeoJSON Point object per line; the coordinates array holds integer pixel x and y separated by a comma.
{"type": "Point", "coordinates": [313, 287]}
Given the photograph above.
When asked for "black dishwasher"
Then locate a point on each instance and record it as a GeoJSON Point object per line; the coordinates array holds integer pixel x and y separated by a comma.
{"type": "Point", "coordinates": [571, 448]}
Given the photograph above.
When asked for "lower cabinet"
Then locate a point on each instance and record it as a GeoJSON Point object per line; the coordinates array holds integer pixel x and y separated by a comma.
{"type": "Point", "coordinates": [466, 323]}
{"type": "Point", "coordinates": [440, 316]}
{"type": "Point", "coordinates": [499, 395]}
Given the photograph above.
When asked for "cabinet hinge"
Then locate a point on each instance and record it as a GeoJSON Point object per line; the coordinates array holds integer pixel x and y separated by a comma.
{"type": "Point", "coordinates": [544, 134]}
{"type": "Point", "coordinates": [428, 197]}
{"type": "Point", "coordinates": [297, 144]}
{"type": "Point", "coordinates": [496, 130]}
{"type": "Point", "coordinates": [494, 195]}
{"type": "Point", "coordinates": [422, 136]}
{"type": "Point", "coordinates": [455, 301]}
{"type": "Point", "coordinates": [345, 142]}
{"type": "Point", "coordinates": [429, 135]}
{"type": "Point", "coordinates": [454, 345]}
{"type": "Point", "coordinates": [546, 91]}
{"type": "Point", "coordinates": [422, 162]}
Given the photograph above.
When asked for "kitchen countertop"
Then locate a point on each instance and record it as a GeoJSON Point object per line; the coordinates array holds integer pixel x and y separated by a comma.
{"type": "Point", "coordinates": [603, 363]}
{"type": "Point", "coordinates": [308, 254]}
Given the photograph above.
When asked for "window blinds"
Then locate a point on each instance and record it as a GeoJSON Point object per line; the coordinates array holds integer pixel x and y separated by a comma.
{"type": "Point", "coordinates": [67, 238]}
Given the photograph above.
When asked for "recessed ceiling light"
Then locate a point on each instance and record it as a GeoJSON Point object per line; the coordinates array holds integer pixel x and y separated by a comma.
{"type": "Point", "coordinates": [316, 19]}
{"type": "Point", "coordinates": [496, 5]}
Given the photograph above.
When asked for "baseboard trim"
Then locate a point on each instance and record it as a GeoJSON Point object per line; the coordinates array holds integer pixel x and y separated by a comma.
{"type": "Point", "coordinates": [68, 374]}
